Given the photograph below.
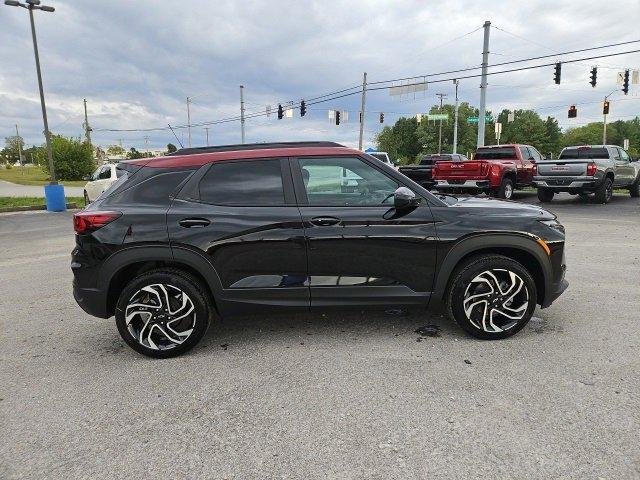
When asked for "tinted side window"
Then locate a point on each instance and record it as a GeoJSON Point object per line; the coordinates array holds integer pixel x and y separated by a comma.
{"type": "Point", "coordinates": [152, 191]}
{"type": "Point", "coordinates": [525, 152]}
{"type": "Point", "coordinates": [243, 183]}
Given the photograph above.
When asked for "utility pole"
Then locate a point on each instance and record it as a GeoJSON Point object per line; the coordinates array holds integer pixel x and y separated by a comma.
{"type": "Point", "coordinates": [455, 120]}
{"type": "Point", "coordinates": [207, 130]}
{"type": "Point", "coordinates": [604, 125]}
{"type": "Point", "coordinates": [242, 112]}
{"type": "Point", "coordinates": [87, 128]}
{"type": "Point", "coordinates": [441, 95]}
{"type": "Point", "coordinates": [146, 143]}
{"type": "Point", "coordinates": [362, 105]}
{"type": "Point", "coordinates": [483, 84]}
{"type": "Point", "coordinates": [189, 118]}
{"type": "Point", "coordinates": [18, 139]}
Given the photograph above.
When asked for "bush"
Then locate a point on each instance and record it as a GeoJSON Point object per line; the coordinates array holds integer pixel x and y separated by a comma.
{"type": "Point", "coordinates": [8, 166]}
{"type": "Point", "coordinates": [72, 158]}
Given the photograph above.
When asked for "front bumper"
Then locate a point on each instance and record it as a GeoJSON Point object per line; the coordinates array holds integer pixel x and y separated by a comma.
{"type": "Point", "coordinates": [470, 184]}
{"type": "Point", "coordinates": [567, 183]}
{"type": "Point", "coordinates": [554, 292]}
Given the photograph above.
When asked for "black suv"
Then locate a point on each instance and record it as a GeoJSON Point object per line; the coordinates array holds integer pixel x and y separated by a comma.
{"type": "Point", "coordinates": [205, 233]}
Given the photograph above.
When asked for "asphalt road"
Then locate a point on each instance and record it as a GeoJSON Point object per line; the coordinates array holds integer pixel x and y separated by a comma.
{"type": "Point", "coordinates": [326, 396]}
{"type": "Point", "coordinates": [8, 189]}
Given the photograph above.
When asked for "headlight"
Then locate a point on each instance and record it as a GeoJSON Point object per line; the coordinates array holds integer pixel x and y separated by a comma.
{"type": "Point", "coordinates": [554, 224]}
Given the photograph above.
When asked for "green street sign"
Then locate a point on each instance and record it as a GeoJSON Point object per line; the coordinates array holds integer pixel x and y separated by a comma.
{"type": "Point", "coordinates": [487, 118]}
{"type": "Point", "coordinates": [438, 116]}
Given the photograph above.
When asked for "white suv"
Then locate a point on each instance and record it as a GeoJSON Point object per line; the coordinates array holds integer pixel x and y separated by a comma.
{"type": "Point", "coordinates": [99, 181]}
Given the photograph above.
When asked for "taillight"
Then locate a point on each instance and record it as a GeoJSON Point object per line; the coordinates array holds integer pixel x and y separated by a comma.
{"type": "Point", "coordinates": [85, 222]}
{"type": "Point", "coordinates": [591, 169]}
{"type": "Point", "coordinates": [535, 169]}
{"type": "Point", "coordinates": [484, 169]}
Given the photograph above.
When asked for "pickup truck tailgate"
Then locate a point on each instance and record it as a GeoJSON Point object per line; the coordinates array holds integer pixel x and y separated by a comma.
{"type": "Point", "coordinates": [562, 168]}
{"type": "Point", "coordinates": [465, 169]}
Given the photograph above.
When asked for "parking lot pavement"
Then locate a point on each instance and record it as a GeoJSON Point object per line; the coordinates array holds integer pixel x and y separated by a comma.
{"type": "Point", "coordinates": [356, 395]}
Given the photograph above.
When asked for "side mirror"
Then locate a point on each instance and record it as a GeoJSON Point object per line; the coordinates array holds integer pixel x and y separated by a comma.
{"type": "Point", "coordinates": [87, 177]}
{"type": "Point", "coordinates": [404, 199]}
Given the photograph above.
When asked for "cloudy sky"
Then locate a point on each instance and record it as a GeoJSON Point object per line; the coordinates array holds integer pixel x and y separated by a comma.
{"type": "Point", "coordinates": [136, 62]}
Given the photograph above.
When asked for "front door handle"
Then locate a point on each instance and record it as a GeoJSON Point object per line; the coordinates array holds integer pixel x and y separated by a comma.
{"type": "Point", "coordinates": [194, 222]}
{"type": "Point", "coordinates": [325, 221]}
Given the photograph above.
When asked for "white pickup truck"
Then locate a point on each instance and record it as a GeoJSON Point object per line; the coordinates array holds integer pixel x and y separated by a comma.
{"type": "Point", "coordinates": [588, 169]}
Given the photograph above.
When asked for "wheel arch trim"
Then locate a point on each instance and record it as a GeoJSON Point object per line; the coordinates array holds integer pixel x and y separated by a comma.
{"type": "Point", "coordinates": [525, 242]}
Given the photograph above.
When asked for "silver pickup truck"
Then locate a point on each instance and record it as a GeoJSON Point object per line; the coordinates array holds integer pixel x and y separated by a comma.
{"type": "Point", "coordinates": [588, 169]}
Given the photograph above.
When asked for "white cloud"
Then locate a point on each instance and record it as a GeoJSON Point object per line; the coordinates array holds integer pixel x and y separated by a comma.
{"type": "Point", "coordinates": [136, 62]}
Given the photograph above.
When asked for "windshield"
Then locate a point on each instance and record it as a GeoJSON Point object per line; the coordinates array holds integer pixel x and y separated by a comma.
{"type": "Point", "coordinates": [500, 153]}
{"type": "Point", "coordinates": [584, 152]}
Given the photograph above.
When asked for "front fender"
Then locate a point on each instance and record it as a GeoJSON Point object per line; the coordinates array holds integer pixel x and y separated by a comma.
{"type": "Point", "coordinates": [491, 242]}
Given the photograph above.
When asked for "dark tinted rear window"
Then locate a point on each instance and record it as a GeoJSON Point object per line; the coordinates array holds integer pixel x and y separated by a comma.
{"type": "Point", "coordinates": [431, 159]}
{"type": "Point", "coordinates": [243, 183]}
{"type": "Point", "coordinates": [156, 190]}
{"type": "Point", "coordinates": [500, 153]}
{"type": "Point", "coordinates": [584, 152]}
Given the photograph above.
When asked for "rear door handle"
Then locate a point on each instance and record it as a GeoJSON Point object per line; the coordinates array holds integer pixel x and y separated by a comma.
{"type": "Point", "coordinates": [194, 222]}
{"type": "Point", "coordinates": [325, 221]}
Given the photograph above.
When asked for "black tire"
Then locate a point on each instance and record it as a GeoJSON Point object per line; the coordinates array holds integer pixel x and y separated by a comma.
{"type": "Point", "coordinates": [176, 282]}
{"type": "Point", "coordinates": [463, 280]}
{"type": "Point", "coordinates": [634, 189]}
{"type": "Point", "coordinates": [505, 190]}
{"type": "Point", "coordinates": [545, 195]}
{"type": "Point", "coordinates": [604, 193]}
{"type": "Point", "coordinates": [86, 199]}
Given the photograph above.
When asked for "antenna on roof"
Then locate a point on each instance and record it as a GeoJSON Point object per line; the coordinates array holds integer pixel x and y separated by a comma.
{"type": "Point", "coordinates": [174, 134]}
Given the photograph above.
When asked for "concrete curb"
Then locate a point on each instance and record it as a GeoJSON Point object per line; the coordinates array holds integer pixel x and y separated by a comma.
{"type": "Point", "coordinates": [70, 206]}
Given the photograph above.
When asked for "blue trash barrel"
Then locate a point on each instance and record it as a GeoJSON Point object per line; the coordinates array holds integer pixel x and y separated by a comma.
{"type": "Point", "coordinates": [54, 198]}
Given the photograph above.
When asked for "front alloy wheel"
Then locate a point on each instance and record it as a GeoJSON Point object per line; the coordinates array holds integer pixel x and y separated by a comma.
{"type": "Point", "coordinates": [491, 296]}
{"type": "Point", "coordinates": [163, 313]}
{"type": "Point", "coordinates": [495, 300]}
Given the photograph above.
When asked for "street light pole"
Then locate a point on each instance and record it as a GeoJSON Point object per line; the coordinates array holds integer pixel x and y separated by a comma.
{"type": "Point", "coordinates": [32, 5]}
{"type": "Point", "coordinates": [441, 95]}
{"type": "Point", "coordinates": [455, 121]}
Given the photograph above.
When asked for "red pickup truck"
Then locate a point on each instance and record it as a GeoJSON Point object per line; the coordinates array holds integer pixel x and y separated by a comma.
{"type": "Point", "coordinates": [496, 169]}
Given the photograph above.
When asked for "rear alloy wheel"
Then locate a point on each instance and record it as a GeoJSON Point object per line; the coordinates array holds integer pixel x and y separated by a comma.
{"type": "Point", "coordinates": [163, 313]}
{"type": "Point", "coordinates": [604, 193]}
{"type": "Point", "coordinates": [506, 189]}
{"type": "Point", "coordinates": [545, 195]}
{"type": "Point", "coordinates": [492, 297]}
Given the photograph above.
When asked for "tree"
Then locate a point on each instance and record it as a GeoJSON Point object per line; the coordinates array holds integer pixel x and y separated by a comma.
{"type": "Point", "coordinates": [12, 148]}
{"type": "Point", "coordinates": [72, 158]}
{"type": "Point", "coordinates": [171, 148]}
{"type": "Point", "coordinates": [400, 141]}
{"type": "Point", "coordinates": [115, 150]}
{"type": "Point", "coordinates": [133, 154]}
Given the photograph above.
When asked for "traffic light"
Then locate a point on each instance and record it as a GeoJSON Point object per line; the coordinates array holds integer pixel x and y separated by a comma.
{"type": "Point", "coordinates": [280, 112]}
{"type": "Point", "coordinates": [337, 117]}
{"type": "Point", "coordinates": [303, 108]}
{"type": "Point", "coordinates": [573, 111]}
{"type": "Point", "coordinates": [381, 117]}
{"type": "Point", "coordinates": [594, 75]}
{"type": "Point", "coordinates": [625, 82]}
{"type": "Point", "coordinates": [557, 72]}
{"type": "Point", "coordinates": [605, 107]}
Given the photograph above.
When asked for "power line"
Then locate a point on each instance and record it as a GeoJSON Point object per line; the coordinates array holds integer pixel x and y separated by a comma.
{"type": "Point", "coordinates": [348, 91]}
